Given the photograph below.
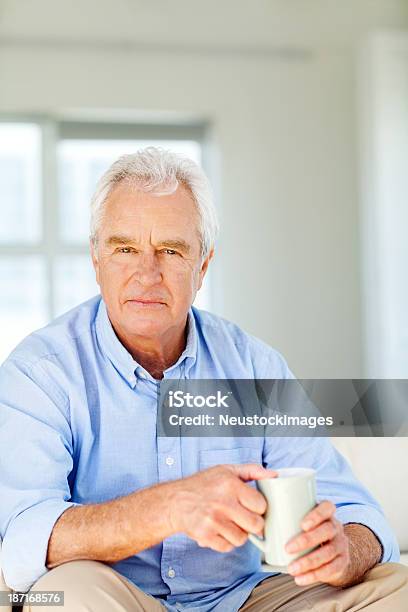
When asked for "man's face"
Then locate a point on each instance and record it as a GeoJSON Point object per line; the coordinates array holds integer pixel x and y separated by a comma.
{"type": "Point", "coordinates": [148, 260]}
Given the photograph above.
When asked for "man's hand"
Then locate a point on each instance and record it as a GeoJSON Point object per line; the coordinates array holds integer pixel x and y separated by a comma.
{"type": "Point", "coordinates": [344, 555]}
{"type": "Point", "coordinates": [216, 508]}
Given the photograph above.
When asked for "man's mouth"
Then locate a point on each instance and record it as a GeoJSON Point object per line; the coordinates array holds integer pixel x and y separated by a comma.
{"type": "Point", "coordinates": [146, 303]}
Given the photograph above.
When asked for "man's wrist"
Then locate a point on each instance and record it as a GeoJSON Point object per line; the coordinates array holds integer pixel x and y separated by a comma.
{"type": "Point", "coordinates": [375, 543]}
{"type": "Point", "coordinates": [365, 551]}
{"type": "Point", "coordinates": [172, 505]}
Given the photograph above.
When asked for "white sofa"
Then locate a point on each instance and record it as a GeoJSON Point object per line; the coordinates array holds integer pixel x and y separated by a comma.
{"type": "Point", "coordinates": [381, 464]}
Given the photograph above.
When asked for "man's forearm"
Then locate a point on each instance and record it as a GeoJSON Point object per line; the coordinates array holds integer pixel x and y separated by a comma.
{"type": "Point", "coordinates": [365, 551]}
{"type": "Point", "coordinates": [113, 530]}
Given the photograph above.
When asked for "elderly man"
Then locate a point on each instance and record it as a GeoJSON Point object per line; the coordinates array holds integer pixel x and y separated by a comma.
{"type": "Point", "coordinates": [95, 504]}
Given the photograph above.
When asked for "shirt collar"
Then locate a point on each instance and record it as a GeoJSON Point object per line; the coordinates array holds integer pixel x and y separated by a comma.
{"type": "Point", "coordinates": [123, 361]}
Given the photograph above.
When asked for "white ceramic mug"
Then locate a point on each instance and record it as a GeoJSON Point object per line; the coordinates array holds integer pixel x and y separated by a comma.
{"type": "Point", "coordinates": [290, 496]}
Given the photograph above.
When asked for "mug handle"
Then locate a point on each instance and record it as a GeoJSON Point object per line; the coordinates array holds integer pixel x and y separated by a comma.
{"type": "Point", "coordinates": [259, 542]}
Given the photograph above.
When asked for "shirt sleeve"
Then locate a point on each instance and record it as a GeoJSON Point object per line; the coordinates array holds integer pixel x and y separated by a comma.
{"type": "Point", "coordinates": [36, 459]}
{"type": "Point", "coordinates": [336, 482]}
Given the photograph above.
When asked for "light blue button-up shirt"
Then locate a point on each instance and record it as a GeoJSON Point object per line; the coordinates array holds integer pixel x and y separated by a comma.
{"type": "Point", "coordinates": [78, 426]}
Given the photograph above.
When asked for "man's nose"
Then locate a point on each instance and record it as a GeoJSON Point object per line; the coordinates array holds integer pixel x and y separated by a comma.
{"type": "Point", "coordinates": [148, 270]}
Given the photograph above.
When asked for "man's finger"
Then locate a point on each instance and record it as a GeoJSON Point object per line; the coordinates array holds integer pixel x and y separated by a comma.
{"type": "Point", "coordinates": [247, 520]}
{"type": "Point", "coordinates": [318, 557]}
{"type": "Point", "coordinates": [323, 511]}
{"type": "Point", "coordinates": [232, 533]}
{"type": "Point", "coordinates": [323, 533]}
{"type": "Point", "coordinates": [250, 498]}
{"type": "Point", "coordinates": [216, 542]}
{"type": "Point", "coordinates": [326, 573]}
{"type": "Point", "coordinates": [252, 471]}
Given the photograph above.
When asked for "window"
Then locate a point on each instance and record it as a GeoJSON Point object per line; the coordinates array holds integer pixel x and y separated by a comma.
{"type": "Point", "coordinates": [48, 172]}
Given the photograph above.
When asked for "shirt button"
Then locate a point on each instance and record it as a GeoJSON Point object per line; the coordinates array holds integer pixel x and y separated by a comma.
{"type": "Point", "coordinates": [169, 460]}
{"type": "Point", "coordinates": [142, 375]}
{"type": "Point", "coordinates": [171, 573]}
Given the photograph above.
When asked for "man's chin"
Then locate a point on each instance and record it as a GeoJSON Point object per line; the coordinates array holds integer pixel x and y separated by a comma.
{"type": "Point", "coordinates": [146, 322]}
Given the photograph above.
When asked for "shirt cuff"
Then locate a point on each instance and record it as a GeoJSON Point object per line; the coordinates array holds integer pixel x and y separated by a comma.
{"type": "Point", "coordinates": [374, 520]}
{"type": "Point", "coordinates": [25, 544]}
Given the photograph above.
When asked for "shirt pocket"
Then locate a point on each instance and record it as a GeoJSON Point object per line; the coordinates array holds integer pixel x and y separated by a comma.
{"type": "Point", "coordinates": [214, 456]}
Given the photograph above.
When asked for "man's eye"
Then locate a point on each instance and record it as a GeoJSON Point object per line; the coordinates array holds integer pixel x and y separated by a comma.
{"type": "Point", "coordinates": [169, 252]}
{"type": "Point", "coordinates": [125, 250]}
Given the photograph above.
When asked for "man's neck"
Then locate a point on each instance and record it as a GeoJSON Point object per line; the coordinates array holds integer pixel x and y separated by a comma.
{"type": "Point", "coordinates": [155, 355]}
{"type": "Point", "coordinates": [155, 364]}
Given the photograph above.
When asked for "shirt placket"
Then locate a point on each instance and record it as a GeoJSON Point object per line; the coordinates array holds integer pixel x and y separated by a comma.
{"type": "Point", "coordinates": [169, 468]}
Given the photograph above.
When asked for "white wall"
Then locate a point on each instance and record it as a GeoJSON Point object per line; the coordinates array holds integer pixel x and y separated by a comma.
{"type": "Point", "coordinates": [283, 114]}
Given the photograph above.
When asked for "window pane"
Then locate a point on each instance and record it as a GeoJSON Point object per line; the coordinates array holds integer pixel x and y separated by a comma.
{"type": "Point", "coordinates": [23, 307]}
{"type": "Point", "coordinates": [74, 281]}
{"type": "Point", "coordinates": [20, 183]}
{"type": "Point", "coordinates": [80, 165]}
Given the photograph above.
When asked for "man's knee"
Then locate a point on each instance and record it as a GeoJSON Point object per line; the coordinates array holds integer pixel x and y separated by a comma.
{"type": "Point", "coordinates": [70, 575]}
{"type": "Point", "coordinates": [389, 580]}
{"type": "Point", "coordinates": [81, 566]}
{"type": "Point", "coordinates": [87, 585]}
{"type": "Point", "coordinates": [397, 571]}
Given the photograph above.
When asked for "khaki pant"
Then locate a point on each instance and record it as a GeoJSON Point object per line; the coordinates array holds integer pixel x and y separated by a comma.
{"type": "Point", "coordinates": [90, 586]}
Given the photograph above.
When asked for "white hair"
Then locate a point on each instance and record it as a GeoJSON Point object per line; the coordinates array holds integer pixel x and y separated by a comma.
{"type": "Point", "coordinates": [159, 171]}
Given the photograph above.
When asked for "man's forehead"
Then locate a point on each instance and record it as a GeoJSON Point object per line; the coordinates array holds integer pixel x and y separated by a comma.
{"type": "Point", "coordinates": [125, 205]}
{"type": "Point", "coordinates": [131, 215]}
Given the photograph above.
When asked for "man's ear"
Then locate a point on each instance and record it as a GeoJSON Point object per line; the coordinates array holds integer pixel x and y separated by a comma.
{"type": "Point", "coordinates": [95, 261]}
{"type": "Point", "coordinates": [204, 268]}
